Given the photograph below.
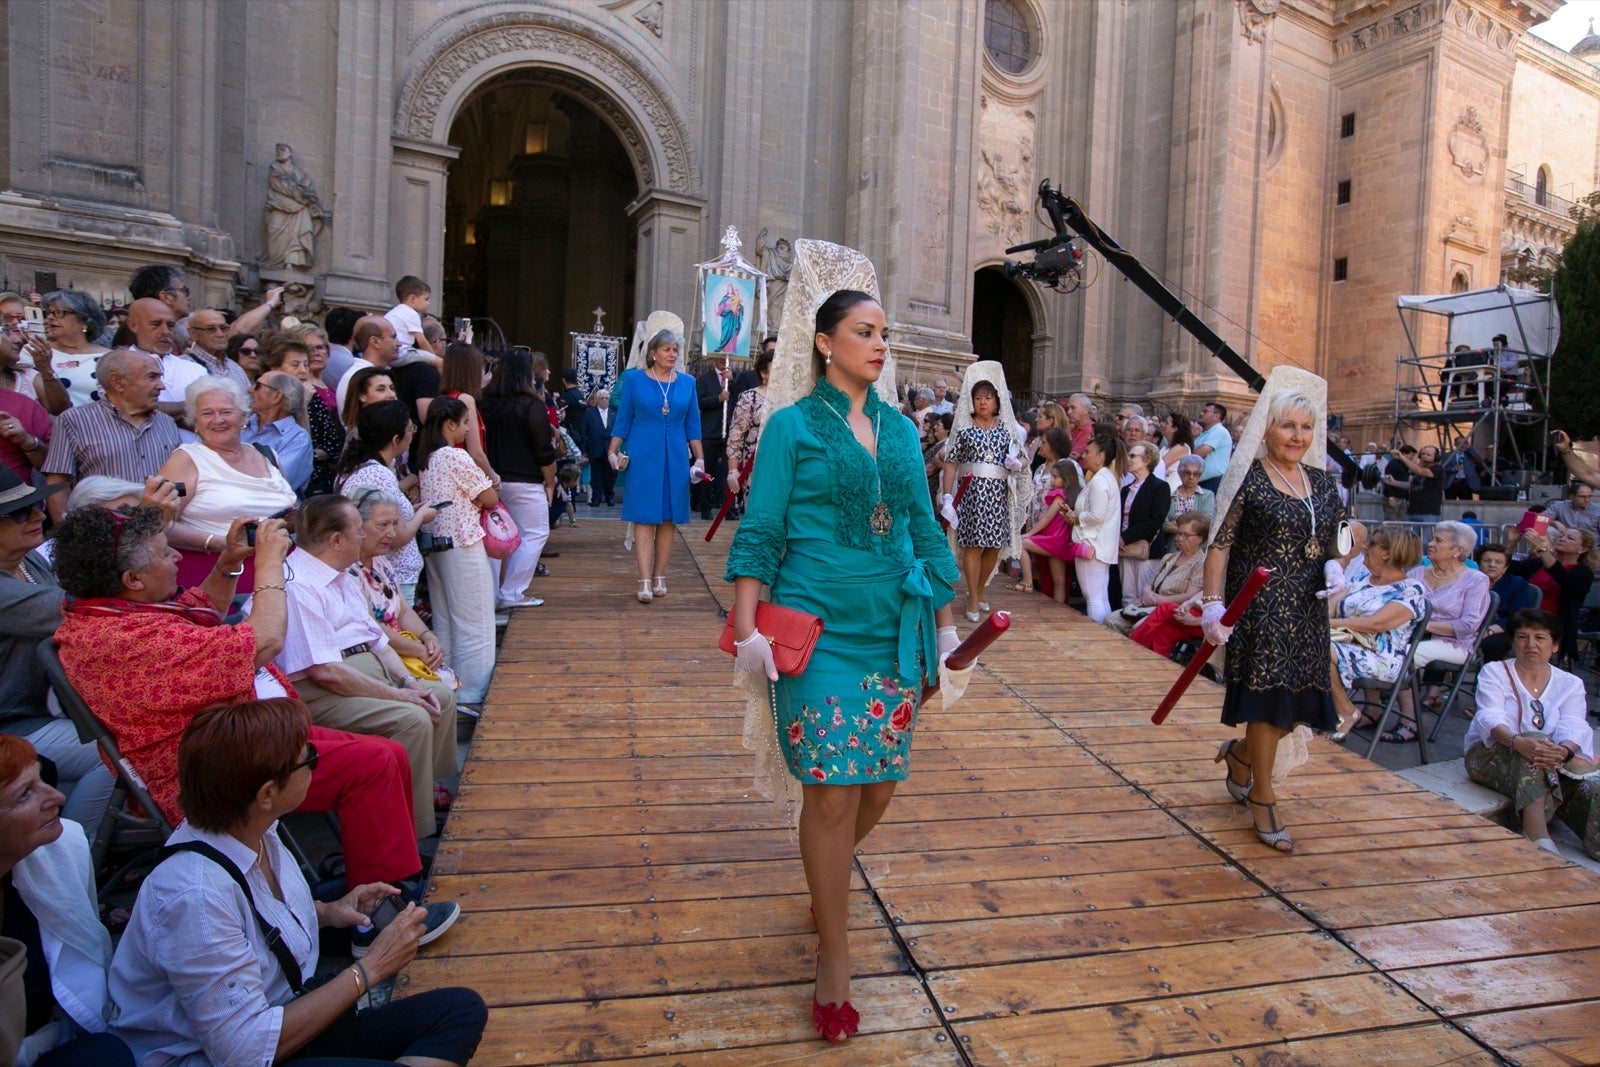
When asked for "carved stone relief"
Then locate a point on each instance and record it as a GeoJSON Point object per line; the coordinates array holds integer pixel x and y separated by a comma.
{"type": "Point", "coordinates": [649, 17]}
{"type": "Point", "coordinates": [1005, 181]}
{"type": "Point", "coordinates": [647, 103]}
{"type": "Point", "coordinates": [1469, 151]}
{"type": "Point", "coordinates": [1255, 18]}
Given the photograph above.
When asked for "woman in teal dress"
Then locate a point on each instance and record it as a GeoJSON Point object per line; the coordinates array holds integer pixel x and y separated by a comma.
{"type": "Point", "coordinates": [658, 416]}
{"type": "Point", "coordinates": [839, 524]}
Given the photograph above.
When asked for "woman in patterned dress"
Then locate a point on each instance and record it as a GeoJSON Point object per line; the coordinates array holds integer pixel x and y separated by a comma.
{"type": "Point", "coordinates": [839, 525]}
{"type": "Point", "coordinates": [1380, 608]}
{"type": "Point", "coordinates": [990, 449]}
{"type": "Point", "coordinates": [1285, 516]}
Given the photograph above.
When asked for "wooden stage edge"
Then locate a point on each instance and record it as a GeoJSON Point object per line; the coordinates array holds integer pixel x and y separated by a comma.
{"type": "Point", "coordinates": [1059, 882]}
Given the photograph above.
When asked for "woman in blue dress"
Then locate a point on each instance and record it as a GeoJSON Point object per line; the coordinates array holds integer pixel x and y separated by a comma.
{"type": "Point", "coordinates": [659, 418]}
{"type": "Point", "coordinates": [839, 525]}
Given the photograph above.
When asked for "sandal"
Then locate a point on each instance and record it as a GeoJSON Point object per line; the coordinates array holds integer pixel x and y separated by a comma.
{"type": "Point", "coordinates": [1362, 721]}
{"type": "Point", "coordinates": [644, 594]}
{"type": "Point", "coordinates": [1276, 838]}
{"type": "Point", "coordinates": [1020, 588]}
{"type": "Point", "coordinates": [1406, 731]}
{"type": "Point", "coordinates": [1239, 793]}
{"type": "Point", "coordinates": [661, 586]}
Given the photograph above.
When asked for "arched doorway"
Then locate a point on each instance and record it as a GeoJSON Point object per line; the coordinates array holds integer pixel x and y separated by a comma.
{"type": "Point", "coordinates": [1003, 327]}
{"type": "Point", "coordinates": [537, 232]}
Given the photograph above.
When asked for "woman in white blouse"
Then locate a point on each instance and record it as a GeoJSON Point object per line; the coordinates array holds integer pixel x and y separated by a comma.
{"type": "Point", "coordinates": [1096, 520]}
{"type": "Point", "coordinates": [1531, 726]}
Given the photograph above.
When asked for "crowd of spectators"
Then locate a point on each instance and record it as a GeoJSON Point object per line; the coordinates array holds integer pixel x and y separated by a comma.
{"type": "Point", "coordinates": [230, 523]}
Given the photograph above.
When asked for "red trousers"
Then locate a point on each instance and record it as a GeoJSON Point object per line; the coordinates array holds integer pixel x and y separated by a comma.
{"type": "Point", "coordinates": [1159, 631]}
{"type": "Point", "coordinates": [366, 781]}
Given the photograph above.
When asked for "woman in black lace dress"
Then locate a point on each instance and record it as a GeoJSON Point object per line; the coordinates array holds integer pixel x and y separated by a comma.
{"type": "Point", "coordinates": [1285, 517]}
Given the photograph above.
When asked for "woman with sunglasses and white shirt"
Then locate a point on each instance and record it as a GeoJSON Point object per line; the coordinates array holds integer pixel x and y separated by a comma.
{"type": "Point", "coordinates": [1530, 726]}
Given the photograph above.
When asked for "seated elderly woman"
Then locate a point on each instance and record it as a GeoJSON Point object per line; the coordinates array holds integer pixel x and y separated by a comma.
{"type": "Point", "coordinates": [1188, 496]}
{"type": "Point", "coordinates": [1531, 732]}
{"type": "Point", "coordinates": [1175, 580]}
{"type": "Point", "coordinates": [47, 889]}
{"type": "Point", "coordinates": [381, 522]}
{"type": "Point", "coordinates": [199, 972]}
{"type": "Point", "coordinates": [147, 658]}
{"type": "Point", "coordinates": [1372, 621]}
{"type": "Point", "coordinates": [1459, 596]}
{"type": "Point", "coordinates": [223, 478]}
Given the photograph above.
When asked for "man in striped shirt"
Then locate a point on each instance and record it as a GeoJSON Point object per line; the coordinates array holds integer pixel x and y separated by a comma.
{"type": "Point", "coordinates": [121, 435]}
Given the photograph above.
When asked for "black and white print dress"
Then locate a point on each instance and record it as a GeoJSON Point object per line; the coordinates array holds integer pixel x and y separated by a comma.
{"type": "Point", "coordinates": [985, 512]}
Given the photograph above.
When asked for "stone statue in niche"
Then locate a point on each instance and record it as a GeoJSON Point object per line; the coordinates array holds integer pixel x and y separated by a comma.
{"type": "Point", "coordinates": [294, 214]}
{"type": "Point", "coordinates": [1000, 192]}
{"type": "Point", "coordinates": [776, 260]}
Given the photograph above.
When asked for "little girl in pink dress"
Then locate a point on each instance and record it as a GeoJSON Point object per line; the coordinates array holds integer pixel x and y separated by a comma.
{"type": "Point", "coordinates": [1051, 536]}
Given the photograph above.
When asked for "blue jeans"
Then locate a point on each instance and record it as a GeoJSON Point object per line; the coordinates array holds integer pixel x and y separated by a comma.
{"type": "Point", "coordinates": [442, 1024]}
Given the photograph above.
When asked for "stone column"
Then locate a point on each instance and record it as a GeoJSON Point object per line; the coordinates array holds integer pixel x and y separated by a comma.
{"type": "Point", "coordinates": [417, 173]}
{"type": "Point", "coordinates": [669, 227]}
{"type": "Point", "coordinates": [361, 111]}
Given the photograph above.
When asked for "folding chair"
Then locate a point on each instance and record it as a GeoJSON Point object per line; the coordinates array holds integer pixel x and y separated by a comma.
{"type": "Point", "coordinates": [122, 830]}
{"type": "Point", "coordinates": [1470, 665]}
{"type": "Point", "coordinates": [1589, 619]}
{"type": "Point", "coordinates": [1406, 678]}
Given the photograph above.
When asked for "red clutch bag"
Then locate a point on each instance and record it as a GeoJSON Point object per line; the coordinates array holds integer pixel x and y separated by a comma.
{"type": "Point", "coordinates": [793, 635]}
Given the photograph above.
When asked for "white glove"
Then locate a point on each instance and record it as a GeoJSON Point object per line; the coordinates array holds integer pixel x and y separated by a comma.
{"type": "Point", "coordinates": [947, 510]}
{"type": "Point", "coordinates": [948, 640]}
{"type": "Point", "coordinates": [1014, 463]}
{"type": "Point", "coordinates": [754, 654]}
{"type": "Point", "coordinates": [1211, 613]}
{"type": "Point", "coordinates": [1333, 577]}
{"type": "Point", "coordinates": [614, 460]}
{"type": "Point", "coordinates": [733, 481]}
{"type": "Point", "coordinates": [697, 471]}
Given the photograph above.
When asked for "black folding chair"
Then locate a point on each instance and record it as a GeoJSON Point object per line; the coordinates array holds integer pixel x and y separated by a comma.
{"type": "Point", "coordinates": [1444, 671]}
{"type": "Point", "coordinates": [1406, 678]}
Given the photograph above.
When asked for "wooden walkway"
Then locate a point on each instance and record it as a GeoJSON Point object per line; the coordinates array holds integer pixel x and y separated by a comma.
{"type": "Point", "coordinates": [1059, 882]}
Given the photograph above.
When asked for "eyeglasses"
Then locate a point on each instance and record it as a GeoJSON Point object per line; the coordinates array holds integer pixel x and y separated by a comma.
{"type": "Point", "coordinates": [59, 313]}
{"type": "Point", "coordinates": [184, 289]}
{"type": "Point", "coordinates": [309, 763]}
{"type": "Point", "coordinates": [24, 516]}
{"type": "Point", "coordinates": [248, 351]}
{"type": "Point", "coordinates": [13, 320]}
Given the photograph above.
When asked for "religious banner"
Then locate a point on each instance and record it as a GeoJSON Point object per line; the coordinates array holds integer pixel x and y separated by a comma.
{"type": "Point", "coordinates": [732, 295]}
{"type": "Point", "coordinates": [596, 357]}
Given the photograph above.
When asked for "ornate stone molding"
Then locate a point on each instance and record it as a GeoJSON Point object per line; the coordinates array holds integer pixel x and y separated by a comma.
{"type": "Point", "coordinates": [1466, 18]}
{"type": "Point", "coordinates": [1255, 18]}
{"type": "Point", "coordinates": [545, 46]}
{"type": "Point", "coordinates": [1469, 151]}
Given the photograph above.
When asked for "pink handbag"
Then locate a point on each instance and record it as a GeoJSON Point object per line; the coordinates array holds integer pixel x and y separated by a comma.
{"type": "Point", "coordinates": [500, 534]}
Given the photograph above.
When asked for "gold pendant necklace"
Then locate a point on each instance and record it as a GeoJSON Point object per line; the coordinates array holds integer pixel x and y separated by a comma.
{"type": "Point", "coordinates": [880, 522]}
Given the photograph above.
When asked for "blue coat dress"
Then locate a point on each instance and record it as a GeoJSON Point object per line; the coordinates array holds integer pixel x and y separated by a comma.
{"type": "Point", "coordinates": [658, 446]}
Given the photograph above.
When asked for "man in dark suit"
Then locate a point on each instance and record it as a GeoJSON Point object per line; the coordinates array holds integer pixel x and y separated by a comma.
{"type": "Point", "coordinates": [572, 400]}
{"type": "Point", "coordinates": [593, 435]}
{"type": "Point", "coordinates": [711, 387]}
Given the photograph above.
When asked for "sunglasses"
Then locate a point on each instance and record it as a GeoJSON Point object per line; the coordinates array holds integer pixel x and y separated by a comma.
{"type": "Point", "coordinates": [309, 763]}
{"type": "Point", "coordinates": [23, 516]}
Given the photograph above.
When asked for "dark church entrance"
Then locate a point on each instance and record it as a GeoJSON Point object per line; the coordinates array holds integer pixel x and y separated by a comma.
{"type": "Point", "coordinates": [537, 233]}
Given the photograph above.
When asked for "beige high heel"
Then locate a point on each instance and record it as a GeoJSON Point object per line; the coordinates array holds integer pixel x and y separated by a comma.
{"type": "Point", "coordinates": [644, 594]}
{"type": "Point", "coordinates": [661, 586]}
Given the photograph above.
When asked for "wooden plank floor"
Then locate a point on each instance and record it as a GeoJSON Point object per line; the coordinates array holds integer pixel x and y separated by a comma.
{"type": "Point", "coordinates": [1059, 882]}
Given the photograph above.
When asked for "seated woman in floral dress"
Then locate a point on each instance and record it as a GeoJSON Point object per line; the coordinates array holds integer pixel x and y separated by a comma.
{"type": "Point", "coordinates": [1372, 624]}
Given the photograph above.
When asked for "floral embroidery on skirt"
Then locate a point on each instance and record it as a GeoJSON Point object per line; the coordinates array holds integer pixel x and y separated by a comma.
{"type": "Point", "coordinates": [870, 742]}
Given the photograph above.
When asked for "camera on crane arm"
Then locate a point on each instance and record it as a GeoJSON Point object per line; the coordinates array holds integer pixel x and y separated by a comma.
{"type": "Point", "coordinates": [1058, 261]}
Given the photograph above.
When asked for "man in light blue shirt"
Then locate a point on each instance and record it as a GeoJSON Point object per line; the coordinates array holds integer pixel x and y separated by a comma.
{"type": "Point", "coordinates": [1214, 445]}
{"type": "Point", "coordinates": [275, 400]}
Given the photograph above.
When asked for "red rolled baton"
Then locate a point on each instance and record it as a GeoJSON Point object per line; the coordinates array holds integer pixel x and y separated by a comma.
{"type": "Point", "coordinates": [1236, 608]}
{"type": "Point", "coordinates": [728, 496]}
{"type": "Point", "coordinates": [963, 655]}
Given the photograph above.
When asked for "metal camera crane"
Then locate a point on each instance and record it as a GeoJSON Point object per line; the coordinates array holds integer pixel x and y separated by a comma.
{"type": "Point", "coordinates": [1058, 262]}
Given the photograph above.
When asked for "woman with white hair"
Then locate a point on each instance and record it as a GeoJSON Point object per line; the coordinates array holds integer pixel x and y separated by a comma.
{"type": "Point", "coordinates": [659, 418]}
{"type": "Point", "coordinates": [1280, 511]}
{"type": "Point", "coordinates": [223, 478]}
{"type": "Point", "coordinates": [1459, 597]}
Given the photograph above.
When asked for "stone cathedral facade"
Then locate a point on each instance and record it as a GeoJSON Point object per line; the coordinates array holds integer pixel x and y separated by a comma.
{"type": "Point", "coordinates": [1288, 166]}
